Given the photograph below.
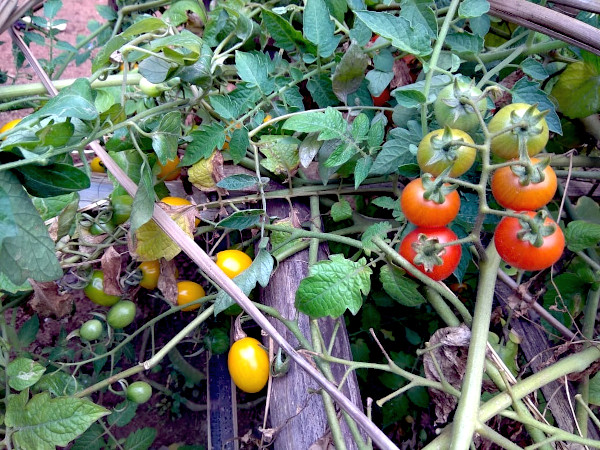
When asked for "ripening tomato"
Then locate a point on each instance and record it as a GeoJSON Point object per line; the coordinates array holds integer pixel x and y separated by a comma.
{"type": "Point", "coordinates": [170, 171]}
{"type": "Point", "coordinates": [187, 292]}
{"type": "Point", "coordinates": [435, 153]}
{"type": "Point", "coordinates": [449, 111]}
{"type": "Point", "coordinates": [97, 165]}
{"type": "Point", "coordinates": [150, 274]}
{"type": "Point", "coordinates": [95, 290]}
{"type": "Point", "coordinates": [248, 365]}
{"type": "Point", "coordinates": [178, 201]}
{"type": "Point", "coordinates": [515, 244]}
{"type": "Point", "coordinates": [233, 262]}
{"type": "Point", "coordinates": [511, 194]}
{"type": "Point", "coordinates": [382, 98]}
{"type": "Point", "coordinates": [532, 127]}
{"type": "Point", "coordinates": [426, 212]}
{"type": "Point", "coordinates": [436, 264]}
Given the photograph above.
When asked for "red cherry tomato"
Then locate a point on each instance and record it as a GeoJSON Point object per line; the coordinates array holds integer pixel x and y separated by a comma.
{"type": "Point", "coordinates": [522, 254]}
{"type": "Point", "coordinates": [509, 193]}
{"type": "Point", "coordinates": [427, 213]}
{"type": "Point", "coordinates": [449, 256]}
{"type": "Point", "coordinates": [383, 98]}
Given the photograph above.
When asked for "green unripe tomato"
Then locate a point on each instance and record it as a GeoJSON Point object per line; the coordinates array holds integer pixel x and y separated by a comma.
{"type": "Point", "coordinates": [95, 290]}
{"type": "Point", "coordinates": [98, 228]}
{"type": "Point", "coordinates": [121, 314]}
{"type": "Point", "coordinates": [139, 392]}
{"type": "Point", "coordinates": [91, 330]}
{"type": "Point", "coordinates": [121, 206]}
{"type": "Point", "coordinates": [449, 111]}
{"type": "Point", "coordinates": [150, 89]}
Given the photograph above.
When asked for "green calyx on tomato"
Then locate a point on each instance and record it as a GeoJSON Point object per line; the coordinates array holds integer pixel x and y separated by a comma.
{"type": "Point", "coordinates": [429, 203]}
{"type": "Point", "coordinates": [442, 149]}
{"type": "Point", "coordinates": [139, 392]}
{"type": "Point", "coordinates": [423, 248]}
{"type": "Point", "coordinates": [233, 262]}
{"type": "Point", "coordinates": [525, 186]}
{"type": "Point", "coordinates": [121, 207]}
{"type": "Point", "coordinates": [248, 365]}
{"type": "Point", "coordinates": [121, 314]}
{"type": "Point", "coordinates": [515, 125]}
{"type": "Point", "coordinates": [533, 244]}
{"type": "Point", "coordinates": [451, 110]}
{"type": "Point", "coordinates": [91, 330]}
{"type": "Point", "coordinates": [95, 290]}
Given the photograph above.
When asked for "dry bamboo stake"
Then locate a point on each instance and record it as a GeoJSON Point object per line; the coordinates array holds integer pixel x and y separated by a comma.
{"type": "Point", "coordinates": [187, 244]}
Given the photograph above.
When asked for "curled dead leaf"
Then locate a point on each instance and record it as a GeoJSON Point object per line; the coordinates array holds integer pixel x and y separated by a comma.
{"type": "Point", "coordinates": [111, 266]}
{"type": "Point", "coordinates": [167, 281]}
{"type": "Point", "coordinates": [206, 173]}
{"type": "Point", "coordinates": [47, 301]}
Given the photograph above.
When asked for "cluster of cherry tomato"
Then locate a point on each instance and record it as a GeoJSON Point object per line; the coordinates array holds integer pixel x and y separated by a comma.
{"type": "Point", "coordinates": [529, 185]}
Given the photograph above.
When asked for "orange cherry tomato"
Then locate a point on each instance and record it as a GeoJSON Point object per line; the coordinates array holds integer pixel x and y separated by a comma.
{"type": "Point", "coordinates": [233, 262]}
{"type": "Point", "coordinates": [187, 292]}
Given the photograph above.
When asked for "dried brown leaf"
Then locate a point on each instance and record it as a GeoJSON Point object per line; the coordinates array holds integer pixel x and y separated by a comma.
{"type": "Point", "coordinates": [402, 75]}
{"type": "Point", "coordinates": [167, 281]}
{"type": "Point", "coordinates": [111, 266]}
{"type": "Point", "coordinates": [47, 301]}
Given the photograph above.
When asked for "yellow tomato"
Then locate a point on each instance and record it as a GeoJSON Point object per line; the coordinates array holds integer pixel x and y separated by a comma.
{"type": "Point", "coordinates": [97, 166]}
{"type": "Point", "coordinates": [187, 292]}
{"type": "Point", "coordinates": [9, 125]}
{"type": "Point", "coordinates": [233, 262]}
{"type": "Point", "coordinates": [178, 201]}
{"type": "Point", "coordinates": [248, 365]}
{"type": "Point", "coordinates": [169, 171]}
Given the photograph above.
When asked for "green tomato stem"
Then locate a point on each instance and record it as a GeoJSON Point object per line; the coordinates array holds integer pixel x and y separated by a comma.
{"type": "Point", "coordinates": [465, 419]}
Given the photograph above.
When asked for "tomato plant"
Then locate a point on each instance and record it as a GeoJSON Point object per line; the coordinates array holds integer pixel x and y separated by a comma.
{"type": "Point", "coordinates": [428, 212]}
{"type": "Point", "coordinates": [95, 290]}
{"type": "Point", "coordinates": [451, 112]}
{"type": "Point", "coordinates": [233, 262]}
{"type": "Point", "coordinates": [91, 330]}
{"type": "Point", "coordinates": [514, 188]}
{"type": "Point", "coordinates": [187, 292]}
{"type": "Point", "coordinates": [514, 122]}
{"type": "Point", "coordinates": [97, 165]}
{"type": "Point", "coordinates": [441, 149]}
{"type": "Point", "coordinates": [248, 365]}
{"type": "Point", "coordinates": [421, 248]}
{"type": "Point", "coordinates": [121, 314]}
{"type": "Point", "coordinates": [139, 392]}
{"type": "Point", "coordinates": [528, 248]}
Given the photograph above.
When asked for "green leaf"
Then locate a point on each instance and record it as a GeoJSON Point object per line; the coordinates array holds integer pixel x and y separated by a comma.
{"type": "Point", "coordinates": [330, 124]}
{"type": "Point", "coordinates": [23, 373]}
{"type": "Point", "coordinates": [361, 170]}
{"type": "Point", "coordinates": [123, 413]}
{"type": "Point", "coordinates": [26, 250]}
{"type": "Point", "coordinates": [92, 439]}
{"type": "Point", "coordinates": [52, 206]}
{"type": "Point", "coordinates": [578, 90]}
{"type": "Point", "coordinates": [57, 134]}
{"type": "Point", "coordinates": [525, 91]}
{"type": "Point", "coordinates": [594, 395]}
{"type": "Point", "coordinates": [581, 235]}
{"type": "Point", "coordinates": [587, 209]}
{"type": "Point", "coordinates": [377, 229]}
{"type": "Point", "coordinates": [238, 145]}
{"type": "Point", "coordinates": [259, 272]}
{"type": "Point", "coordinates": [465, 43]}
{"type": "Point", "coordinates": [67, 217]}
{"type": "Point", "coordinates": [410, 92]}
{"type": "Point", "coordinates": [473, 8]}
{"type": "Point", "coordinates": [155, 69]}
{"type": "Point", "coordinates": [284, 34]}
{"type": "Point", "coordinates": [334, 286]}
{"type": "Point", "coordinates": [106, 12]}
{"type": "Point", "coordinates": [534, 69]}
{"type": "Point", "coordinates": [51, 8]}
{"type": "Point", "coordinates": [104, 53]}
{"type": "Point", "coordinates": [146, 25]}
{"type": "Point", "coordinates": [350, 72]}
{"type": "Point", "coordinates": [55, 179]}
{"type": "Point", "coordinates": [281, 154]}
{"type": "Point", "coordinates": [74, 101]}
{"type": "Point", "coordinates": [342, 154]}
{"type": "Point", "coordinates": [376, 133]}
{"type": "Point", "coordinates": [240, 220]}
{"type": "Point", "coordinates": [321, 91]}
{"type": "Point", "coordinates": [254, 68]}
{"type": "Point", "coordinates": [420, 12]}
{"type": "Point", "coordinates": [8, 286]}
{"type": "Point", "coordinates": [177, 12]}
{"type": "Point", "coordinates": [57, 383]}
{"type": "Point", "coordinates": [341, 211]}
{"type": "Point", "coordinates": [141, 439]}
{"type": "Point", "coordinates": [412, 39]}
{"type": "Point", "coordinates": [386, 203]}
{"type": "Point", "coordinates": [399, 287]}
{"type": "Point", "coordinates": [337, 8]}
{"type": "Point", "coordinates": [28, 331]}
{"type": "Point", "coordinates": [318, 27]}
{"type": "Point", "coordinates": [393, 155]}
{"type": "Point", "coordinates": [378, 81]}
{"type": "Point", "coordinates": [237, 182]}
{"type": "Point", "coordinates": [204, 141]}
{"type": "Point", "coordinates": [143, 202]}
{"type": "Point", "coordinates": [237, 102]}
{"type": "Point", "coordinates": [199, 73]}
{"type": "Point", "coordinates": [44, 423]}
{"type": "Point", "coordinates": [166, 136]}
